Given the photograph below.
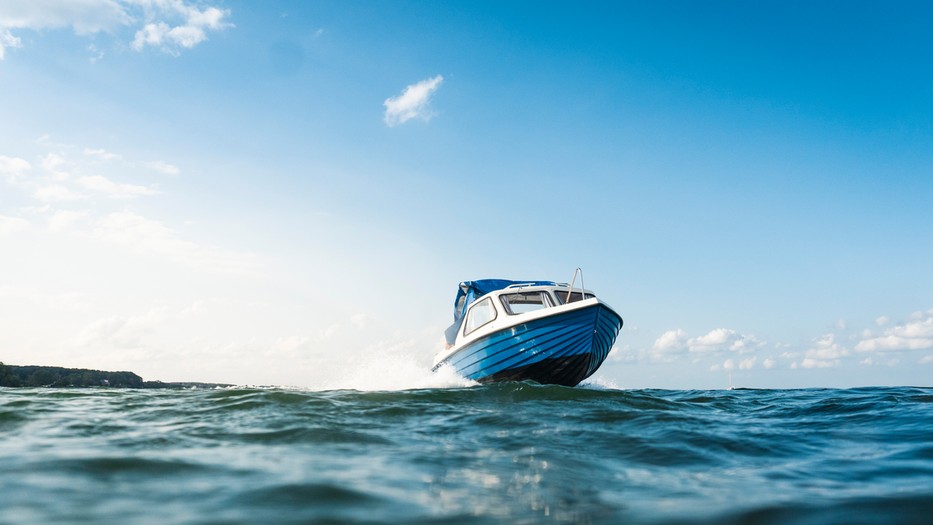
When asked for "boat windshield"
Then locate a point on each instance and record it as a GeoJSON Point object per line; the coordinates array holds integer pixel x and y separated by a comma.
{"type": "Point", "coordinates": [520, 303]}
{"type": "Point", "coordinates": [574, 296]}
{"type": "Point", "coordinates": [480, 314]}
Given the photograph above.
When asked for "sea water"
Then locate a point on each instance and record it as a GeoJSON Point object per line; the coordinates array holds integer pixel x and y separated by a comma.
{"type": "Point", "coordinates": [503, 453]}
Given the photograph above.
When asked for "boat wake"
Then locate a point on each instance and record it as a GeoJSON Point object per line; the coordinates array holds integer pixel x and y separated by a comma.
{"type": "Point", "coordinates": [390, 371]}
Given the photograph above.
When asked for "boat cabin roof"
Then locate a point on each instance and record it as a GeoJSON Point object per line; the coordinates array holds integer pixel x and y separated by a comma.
{"type": "Point", "coordinates": [470, 291]}
{"type": "Point", "coordinates": [522, 300]}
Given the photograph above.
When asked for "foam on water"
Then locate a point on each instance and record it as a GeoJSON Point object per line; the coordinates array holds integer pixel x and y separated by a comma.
{"type": "Point", "coordinates": [380, 368]}
{"type": "Point", "coordinates": [393, 373]}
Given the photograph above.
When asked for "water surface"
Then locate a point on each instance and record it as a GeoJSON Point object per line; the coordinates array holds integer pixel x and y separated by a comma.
{"type": "Point", "coordinates": [507, 453]}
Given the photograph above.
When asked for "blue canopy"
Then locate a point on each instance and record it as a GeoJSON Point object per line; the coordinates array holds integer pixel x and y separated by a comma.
{"type": "Point", "coordinates": [470, 291]}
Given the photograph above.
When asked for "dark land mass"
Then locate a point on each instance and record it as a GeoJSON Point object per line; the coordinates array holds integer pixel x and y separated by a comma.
{"type": "Point", "coordinates": [58, 377]}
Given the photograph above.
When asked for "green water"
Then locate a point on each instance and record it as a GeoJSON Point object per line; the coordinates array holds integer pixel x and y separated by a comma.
{"type": "Point", "coordinates": [506, 453]}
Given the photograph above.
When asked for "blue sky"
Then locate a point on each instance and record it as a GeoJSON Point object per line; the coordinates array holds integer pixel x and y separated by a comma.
{"type": "Point", "coordinates": [289, 192]}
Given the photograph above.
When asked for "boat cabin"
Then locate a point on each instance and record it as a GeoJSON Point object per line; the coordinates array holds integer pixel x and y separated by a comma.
{"type": "Point", "coordinates": [479, 303]}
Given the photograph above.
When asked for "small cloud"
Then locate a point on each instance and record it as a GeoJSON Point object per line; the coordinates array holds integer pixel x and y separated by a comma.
{"type": "Point", "coordinates": [55, 193]}
{"type": "Point", "coordinates": [768, 363]}
{"type": "Point", "coordinates": [100, 154]}
{"type": "Point", "coordinates": [915, 334]}
{"type": "Point", "coordinates": [123, 332]}
{"type": "Point", "coordinates": [825, 352]}
{"type": "Point", "coordinates": [817, 363]}
{"type": "Point", "coordinates": [163, 167]}
{"type": "Point", "coordinates": [152, 237]}
{"type": "Point", "coordinates": [412, 103]}
{"type": "Point", "coordinates": [730, 364]}
{"type": "Point", "coordinates": [723, 339]}
{"type": "Point", "coordinates": [926, 360]}
{"type": "Point", "coordinates": [717, 341]}
{"type": "Point", "coordinates": [63, 220]}
{"type": "Point", "coordinates": [70, 173]}
{"type": "Point", "coordinates": [825, 347]}
{"type": "Point", "coordinates": [670, 342]}
{"type": "Point", "coordinates": [12, 225]}
{"type": "Point", "coordinates": [106, 187]}
{"type": "Point", "coordinates": [13, 168]}
{"type": "Point", "coordinates": [96, 54]}
{"type": "Point", "coordinates": [8, 40]}
{"type": "Point", "coordinates": [52, 163]}
{"type": "Point", "coordinates": [189, 33]}
{"type": "Point", "coordinates": [883, 320]}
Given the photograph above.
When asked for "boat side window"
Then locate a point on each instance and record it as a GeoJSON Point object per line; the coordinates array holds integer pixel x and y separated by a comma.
{"type": "Point", "coordinates": [520, 303]}
{"type": "Point", "coordinates": [574, 296]}
{"type": "Point", "coordinates": [481, 313]}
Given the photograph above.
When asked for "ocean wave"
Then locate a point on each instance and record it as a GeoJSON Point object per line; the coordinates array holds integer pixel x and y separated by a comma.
{"type": "Point", "coordinates": [510, 452]}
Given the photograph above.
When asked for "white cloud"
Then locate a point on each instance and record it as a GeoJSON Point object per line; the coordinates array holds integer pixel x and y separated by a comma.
{"type": "Point", "coordinates": [190, 30]}
{"type": "Point", "coordinates": [63, 220]}
{"type": "Point", "coordinates": [768, 363]}
{"type": "Point", "coordinates": [915, 334]}
{"type": "Point", "coordinates": [106, 187]}
{"type": "Point", "coordinates": [723, 339]}
{"type": "Point", "coordinates": [717, 341]}
{"type": "Point", "coordinates": [70, 302]}
{"type": "Point", "coordinates": [51, 163]}
{"type": "Point", "coordinates": [83, 16]}
{"type": "Point", "coordinates": [167, 24]}
{"type": "Point", "coordinates": [70, 174]}
{"type": "Point", "coordinates": [75, 174]}
{"type": "Point", "coordinates": [825, 347]}
{"type": "Point", "coordinates": [152, 237]}
{"type": "Point", "coordinates": [13, 168]}
{"type": "Point", "coordinates": [824, 353]}
{"type": "Point", "coordinates": [672, 341]}
{"type": "Point", "coordinates": [669, 346]}
{"type": "Point", "coordinates": [926, 360]}
{"type": "Point", "coordinates": [809, 362]}
{"type": "Point", "coordinates": [11, 225]}
{"type": "Point", "coordinates": [163, 167]}
{"type": "Point", "coordinates": [101, 154]}
{"type": "Point", "coordinates": [730, 364]}
{"type": "Point", "coordinates": [122, 332]}
{"type": "Point", "coordinates": [55, 193]}
{"type": "Point", "coordinates": [412, 103]}
{"type": "Point", "coordinates": [7, 40]}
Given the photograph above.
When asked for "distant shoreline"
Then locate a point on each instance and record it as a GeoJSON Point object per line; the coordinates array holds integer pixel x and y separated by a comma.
{"type": "Point", "coordinates": [30, 376]}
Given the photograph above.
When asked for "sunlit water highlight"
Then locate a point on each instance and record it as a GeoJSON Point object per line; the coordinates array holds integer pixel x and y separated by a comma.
{"type": "Point", "coordinates": [507, 453]}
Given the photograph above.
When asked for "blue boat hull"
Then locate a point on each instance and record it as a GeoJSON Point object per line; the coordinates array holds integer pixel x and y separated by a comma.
{"type": "Point", "coordinates": [561, 349]}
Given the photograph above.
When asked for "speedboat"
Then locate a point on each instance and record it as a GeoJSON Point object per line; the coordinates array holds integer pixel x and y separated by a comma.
{"type": "Point", "coordinates": [541, 331]}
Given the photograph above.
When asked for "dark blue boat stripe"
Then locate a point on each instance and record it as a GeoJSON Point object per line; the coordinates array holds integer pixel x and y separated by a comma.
{"type": "Point", "coordinates": [485, 352]}
{"type": "Point", "coordinates": [565, 348]}
{"type": "Point", "coordinates": [544, 350]}
{"type": "Point", "coordinates": [546, 325]}
{"type": "Point", "coordinates": [568, 343]}
{"type": "Point", "coordinates": [491, 345]}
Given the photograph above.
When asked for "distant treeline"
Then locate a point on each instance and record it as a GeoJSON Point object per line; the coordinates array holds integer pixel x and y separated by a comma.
{"type": "Point", "coordinates": [56, 376]}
